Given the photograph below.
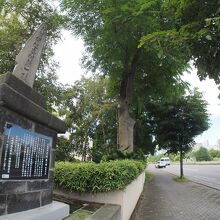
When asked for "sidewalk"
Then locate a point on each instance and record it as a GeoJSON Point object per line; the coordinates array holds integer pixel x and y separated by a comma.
{"type": "Point", "coordinates": [165, 199]}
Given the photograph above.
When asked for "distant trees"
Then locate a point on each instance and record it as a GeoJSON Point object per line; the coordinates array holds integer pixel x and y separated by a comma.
{"type": "Point", "coordinates": [90, 114]}
{"type": "Point", "coordinates": [214, 153]}
{"type": "Point", "coordinates": [64, 149]}
{"type": "Point", "coordinates": [202, 154]}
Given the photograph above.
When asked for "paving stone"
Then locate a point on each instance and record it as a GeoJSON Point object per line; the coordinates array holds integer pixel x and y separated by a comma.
{"type": "Point", "coordinates": [165, 199]}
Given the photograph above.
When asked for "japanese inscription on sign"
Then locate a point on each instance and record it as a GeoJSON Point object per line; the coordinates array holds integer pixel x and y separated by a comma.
{"type": "Point", "coordinates": [25, 154]}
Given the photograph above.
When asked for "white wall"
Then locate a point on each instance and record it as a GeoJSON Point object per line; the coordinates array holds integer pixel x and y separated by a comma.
{"type": "Point", "coordinates": [127, 198]}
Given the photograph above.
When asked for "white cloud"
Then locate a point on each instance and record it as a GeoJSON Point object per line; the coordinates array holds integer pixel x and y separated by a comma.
{"type": "Point", "coordinates": [210, 92]}
{"type": "Point", "coordinates": [208, 88]}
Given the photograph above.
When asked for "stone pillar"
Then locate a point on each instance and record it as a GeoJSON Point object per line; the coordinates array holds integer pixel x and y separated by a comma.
{"type": "Point", "coordinates": [27, 147]}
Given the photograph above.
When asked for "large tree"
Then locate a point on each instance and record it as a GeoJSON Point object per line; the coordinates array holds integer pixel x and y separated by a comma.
{"type": "Point", "coordinates": [111, 31]}
{"type": "Point", "coordinates": [90, 111]}
{"type": "Point", "coordinates": [178, 122]}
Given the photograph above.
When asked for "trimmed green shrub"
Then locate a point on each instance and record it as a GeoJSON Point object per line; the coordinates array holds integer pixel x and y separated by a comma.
{"type": "Point", "coordinates": [92, 177]}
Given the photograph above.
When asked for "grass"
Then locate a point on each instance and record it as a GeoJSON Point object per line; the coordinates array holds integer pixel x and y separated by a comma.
{"type": "Point", "coordinates": [181, 180]}
{"type": "Point", "coordinates": [148, 176]}
{"type": "Point", "coordinates": [216, 159]}
{"type": "Point", "coordinates": [81, 214]}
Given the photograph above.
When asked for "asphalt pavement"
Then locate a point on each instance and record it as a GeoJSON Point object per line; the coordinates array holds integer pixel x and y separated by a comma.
{"type": "Point", "coordinates": [165, 199]}
{"type": "Point", "coordinates": [208, 175]}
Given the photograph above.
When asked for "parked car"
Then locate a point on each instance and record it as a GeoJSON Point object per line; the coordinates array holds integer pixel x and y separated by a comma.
{"type": "Point", "coordinates": [160, 164]}
{"type": "Point", "coordinates": [166, 160]}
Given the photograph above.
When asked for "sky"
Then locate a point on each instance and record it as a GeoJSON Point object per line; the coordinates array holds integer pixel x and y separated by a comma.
{"type": "Point", "coordinates": [69, 51]}
{"type": "Point", "coordinates": [210, 93]}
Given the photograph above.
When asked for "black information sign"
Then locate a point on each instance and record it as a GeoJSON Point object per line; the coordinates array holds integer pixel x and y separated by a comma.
{"type": "Point", "coordinates": [25, 154]}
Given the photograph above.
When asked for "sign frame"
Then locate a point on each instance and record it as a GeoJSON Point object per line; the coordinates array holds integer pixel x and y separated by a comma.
{"type": "Point", "coordinates": [25, 154]}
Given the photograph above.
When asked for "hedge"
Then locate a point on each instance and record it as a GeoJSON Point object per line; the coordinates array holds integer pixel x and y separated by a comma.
{"type": "Point", "coordinates": [92, 177]}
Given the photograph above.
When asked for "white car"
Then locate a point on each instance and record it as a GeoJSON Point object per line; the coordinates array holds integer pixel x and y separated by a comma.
{"type": "Point", "coordinates": [160, 164]}
{"type": "Point", "coordinates": [166, 160]}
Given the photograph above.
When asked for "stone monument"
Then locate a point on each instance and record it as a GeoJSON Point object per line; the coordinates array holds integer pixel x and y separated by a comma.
{"type": "Point", "coordinates": [27, 141]}
{"type": "Point", "coordinates": [29, 57]}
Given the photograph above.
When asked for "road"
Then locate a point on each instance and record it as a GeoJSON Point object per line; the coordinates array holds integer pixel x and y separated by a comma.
{"type": "Point", "coordinates": [205, 174]}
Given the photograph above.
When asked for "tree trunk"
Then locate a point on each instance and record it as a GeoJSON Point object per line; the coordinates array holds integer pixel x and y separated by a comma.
{"type": "Point", "coordinates": [181, 163]}
{"type": "Point", "coordinates": [84, 153]}
{"type": "Point", "coordinates": [125, 121]}
{"type": "Point", "coordinates": [125, 128]}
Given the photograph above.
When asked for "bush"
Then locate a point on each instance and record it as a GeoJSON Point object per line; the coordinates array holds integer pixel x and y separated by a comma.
{"type": "Point", "coordinates": [214, 153]}
{"type": "Point", "coordinates": [91, 177]}
{"type": "Point", "coordinates": [202, 154]}
{"type": "Point", "coordinates": [104, 154]}
{"type": "Point", "coordinates": [115, 154]}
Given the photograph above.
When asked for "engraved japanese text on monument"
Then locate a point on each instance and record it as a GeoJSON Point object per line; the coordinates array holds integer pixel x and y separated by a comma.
{"type": "Point", "coordinates": [25, 154]}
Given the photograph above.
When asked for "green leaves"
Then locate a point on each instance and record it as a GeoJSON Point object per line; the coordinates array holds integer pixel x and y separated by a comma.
{"type": "Point", "coordinates": [197, 35]}
{"type": "Point", "coordinates": [91, 177]}
{"type": "Point", "coordinates": [179, 121]}
{"type": "Point", "coordinates": [90, 114]}
{"type": "Point", "coordinates": [157, 36]}
{"type": "Point", "coordinates": [112, 31]}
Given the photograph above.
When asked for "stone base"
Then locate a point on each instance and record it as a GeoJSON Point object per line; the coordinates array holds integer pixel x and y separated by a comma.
{"type": "Point", "coordinates": [53, 211]}
{"type": "Point", "coordinates": [25, 109]}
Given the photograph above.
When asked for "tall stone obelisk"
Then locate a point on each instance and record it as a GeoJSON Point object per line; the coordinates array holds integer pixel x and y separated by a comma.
{"type": "Point", "coordinates": [27, 141]}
